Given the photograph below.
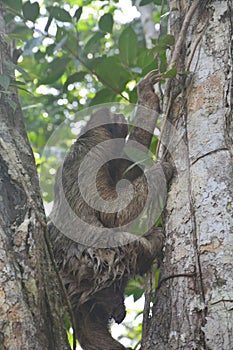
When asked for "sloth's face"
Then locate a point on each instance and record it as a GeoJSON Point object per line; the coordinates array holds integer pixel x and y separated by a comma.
{"type": "Point", "coordinates": [117, 126]}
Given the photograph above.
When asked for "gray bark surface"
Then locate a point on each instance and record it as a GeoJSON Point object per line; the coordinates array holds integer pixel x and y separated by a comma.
{"type": "Point", "coordinates": [148, 23]}
{"type": "Point", "coordinates": [31, 316]}
{"type": "Point", "coordinates": [194, 300]}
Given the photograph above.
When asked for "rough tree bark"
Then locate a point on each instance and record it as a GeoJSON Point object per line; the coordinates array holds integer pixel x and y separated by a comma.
{"type": "Point", "coordinates": [194, 300]}
{"type": "Point", "coordinates": [30, 302]}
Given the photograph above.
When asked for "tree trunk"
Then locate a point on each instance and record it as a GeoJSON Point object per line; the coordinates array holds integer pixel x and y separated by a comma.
{"type": "Point", "coordinates": [30, 298]}
{"type": "Point", "coordinates": [194, 299]}
{"type": "Point", "coordinates": [148, 23]}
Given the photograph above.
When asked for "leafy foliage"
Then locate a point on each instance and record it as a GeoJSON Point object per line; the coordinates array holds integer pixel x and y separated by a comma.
{"type": "Point", "coordinates": [76, 54]}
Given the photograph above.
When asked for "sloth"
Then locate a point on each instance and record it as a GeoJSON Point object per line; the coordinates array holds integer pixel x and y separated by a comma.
{"type": "Point", "coordinates": [97, 259]}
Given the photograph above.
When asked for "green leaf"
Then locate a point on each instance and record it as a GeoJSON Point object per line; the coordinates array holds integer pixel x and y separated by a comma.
{"type": "Point", "coordinates": [94, 42]}
{"type": "Point", "coordinates": [78, 13]}
{"type": "Point", "coordinates": [22, 71]}
{"type": "Point", "coordinates": [168, 40]}
{"type": "Point", "coordinates": [50, 49]}
{"type": "Point", "coordinates": [157, 275]}
{"type": "Point", "coordinates": [92, 63]}
{"type": "Point", "coordinates": [9, 65]}
{"type": "Point", "coordinates": [30, 46]}
{"type": "Point", "coordinates": [163, 61]}
{"type": "Point", "coordinates": [138, 157]}
{"type": "Point", "coordinates": [4, 81]}
{"type": "Point", "coordinates": [12, 104]}
{"type": "Point", "coordinates": [19, 84]}
{"type": "Point", "coordinates": [165, 43]}
{"type": "Point", "coordinates": [106, 23]}
{"type": "Point", "coordinates": [61, 32]}
{"type": "Point", "coordinates": [135, 288]}
{"type": "Point", "coordinates": [72, 43]}
{"type": "Point", "coordinates": [145, 57]}
{"type": "Point", "coordinates": [59, 14]}
{"type": "Point", "coordinates": [61, 43]}
{"type": "Point", "coordinates": [145, 2]}
{"type": "Point", "coordinates": [103, 96]}
{"type": "Point", "coordinates": [137, 294]}
{"type": "Point", "coordinates": [9, 17]}
{"type": "Point", "coordinates": [78, 76]}
{"type": "Point", "coordinates": [133, 96]}
{"type": "Point", "coordinates": [31, 10]}
{"type": "Point", "coordinates": [39, 55]}
{"type": "Point", "coordinates": [170, 73]}
{"type": "Point", "coordinates": [111, 72]}
{"type": "Point", "coordinates": [128, 43]}
{"type": "Point", "coordinates": [54, 70]}
{"type": "Point", "coordinates": [154, 143]}
{"type": "Point", "coordinates": [14, 4]}
{"type": "Point", "coordinates": [185, 72]}
{"type": "Point", "coordinates": [21, 32]}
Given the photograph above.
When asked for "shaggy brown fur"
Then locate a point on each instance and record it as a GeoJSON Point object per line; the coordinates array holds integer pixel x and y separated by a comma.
{"type": "Point", "coordinates": [95, 277]}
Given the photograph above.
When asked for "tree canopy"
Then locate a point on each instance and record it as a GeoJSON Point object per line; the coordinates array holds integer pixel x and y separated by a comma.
{"type": "Point", "coordinates": [76, 53]}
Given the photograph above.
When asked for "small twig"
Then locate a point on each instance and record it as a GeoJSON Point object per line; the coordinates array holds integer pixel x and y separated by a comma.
{"type": "Point", "coordinates": [137, 345]}
{"type": "Point", "coordinates": [146, 310]}
{"type": "Point", "coordinates": [222, 301]}
{"type": "Point", "coordinates": [182, 34]}
{"type": "Point", "coordinates": [164, 279]}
